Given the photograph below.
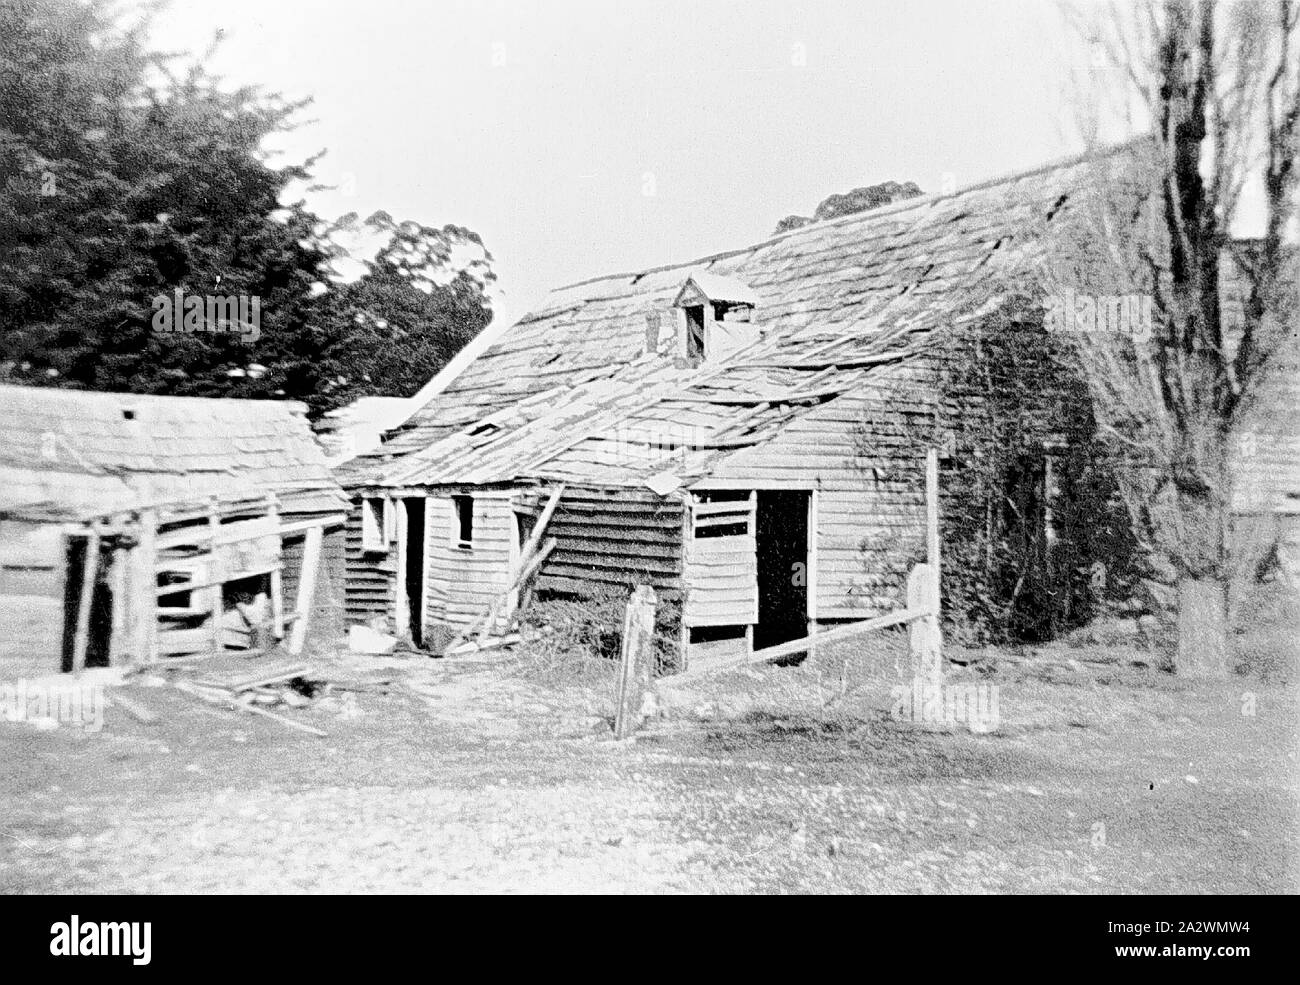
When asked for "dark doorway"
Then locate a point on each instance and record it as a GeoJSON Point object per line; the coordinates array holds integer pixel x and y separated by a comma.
{"type": "Point", "coordinates": [100, 625]}
{"type": "Point", "coordinates": [782, 530]}
{"type": "Point", "coordinates": [415, 566]}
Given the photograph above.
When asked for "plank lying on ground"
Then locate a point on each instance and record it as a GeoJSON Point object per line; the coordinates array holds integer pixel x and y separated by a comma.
{"type": "Point", "coordinates": [286, 722]}
{"type": "Point", "coordinates": [266, 675]}
{"type": "Point", "coordinates": [803, 643]}
{"type": "Point", "coordinates": [287, 674]}
{"type": "Point", "coordinates": [228, 702]}
{"type": "Point", "coordinates": [176, 662]}
{"type": "Point", "coordinates": [491, 644]}
{"type": "Point", "coordinates": [212, 696]}
{"type": "Point", "coordinates": [137, 711]}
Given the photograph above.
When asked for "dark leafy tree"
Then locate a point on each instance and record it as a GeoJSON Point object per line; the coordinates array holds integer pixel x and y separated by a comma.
{"type": "Point", "coordinates": [857, 200]}
{"type": "Point", "coordinates": [420, 300]}
{"type": "Point", "coordinates": [126, 180]}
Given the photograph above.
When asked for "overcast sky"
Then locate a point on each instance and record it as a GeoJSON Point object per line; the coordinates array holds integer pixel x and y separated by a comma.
{"type": "Point", "coordinates": [583, 138]}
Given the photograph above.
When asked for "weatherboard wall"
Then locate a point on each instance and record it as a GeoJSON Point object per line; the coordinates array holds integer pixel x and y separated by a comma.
{"type": "Point", "coordinates": [461, 582]}
{"type": "Point", "coordinates": [867, 473]}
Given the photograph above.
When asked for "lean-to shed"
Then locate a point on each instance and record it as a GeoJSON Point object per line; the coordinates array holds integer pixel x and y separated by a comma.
{"type": "Point", "coordinates": [185, 507]}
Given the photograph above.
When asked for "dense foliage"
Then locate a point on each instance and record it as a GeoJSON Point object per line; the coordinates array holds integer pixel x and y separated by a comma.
{"type": "Point", "coordinates": [124, 181]}
{"type": "Point", "coordinates": [1034, 535]}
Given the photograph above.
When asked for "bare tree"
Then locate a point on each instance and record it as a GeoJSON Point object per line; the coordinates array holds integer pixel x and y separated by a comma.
{"type": "Point", "coordinates": [1216, 86]}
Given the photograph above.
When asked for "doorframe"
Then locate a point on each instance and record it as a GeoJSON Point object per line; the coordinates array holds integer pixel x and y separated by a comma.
{"type": "Point", "coordinates": [809, 552]}
{"type": "Point", "coordinates": [811, 573]}
{"type": "Point", "coordinates": [402, 613]}
{"type": "Point", "coordinates": [409, 615]}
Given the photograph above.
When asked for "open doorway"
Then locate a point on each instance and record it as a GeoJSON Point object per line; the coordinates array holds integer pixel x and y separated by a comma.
{"type": "Point", "coordinates": [783, 557]}
{"type": "Point", "coordinates": [100, 624]}
{"type": "Point", "coordinates": [415, 567]}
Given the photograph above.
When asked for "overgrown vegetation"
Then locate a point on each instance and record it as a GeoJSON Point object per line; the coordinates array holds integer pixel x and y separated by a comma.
{"type": "Point", "coordinates": [1214, 88]}
{"type": "Point", "coordinates": [571, 635]}
{"type": "Point", "coordinates": [1034, 537]}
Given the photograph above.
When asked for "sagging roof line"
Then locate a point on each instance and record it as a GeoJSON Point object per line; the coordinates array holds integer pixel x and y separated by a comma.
{"type": "Point", "coordinates": [831, 310]}
{"type": "Point", "coordinates": [893, 208]}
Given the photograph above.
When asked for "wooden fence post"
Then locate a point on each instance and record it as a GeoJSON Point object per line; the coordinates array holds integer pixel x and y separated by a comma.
{"type": "Point", "coordinates": [926, 636]}
{"type": "Point", "coordinates": [637, 659]}
{"type": "Point", "coordinates": [923, 634]}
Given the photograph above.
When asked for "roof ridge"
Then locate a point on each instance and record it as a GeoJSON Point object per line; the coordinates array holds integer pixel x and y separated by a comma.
{"type": "Point", "coordinates": [893, 208]}
{"type": "Point", "coordinates": [294, 406]}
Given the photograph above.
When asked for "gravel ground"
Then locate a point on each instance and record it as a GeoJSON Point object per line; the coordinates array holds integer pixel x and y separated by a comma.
{"type": "Point", "coordinates": [442, 776]}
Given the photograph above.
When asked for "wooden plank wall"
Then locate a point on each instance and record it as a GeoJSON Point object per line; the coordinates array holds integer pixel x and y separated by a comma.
{"type": "Point", "coordinates": [328, 624]}
{"type": "Point", "coordinates": [870, 510]}
{"type": "Point", "coordinates": [291, 548]}
{"type": "Point", "coordinates": [460, 582]}
{"type": "Point", "coordinates": [1264, 448]}
{"type": "Point", "coordinates": [370, 576]}
{"type": "Point", "coordinates": [33, 562]}
{"type": "Point", "coordinates": [605, 538]}
{"type": "Point", "coordinates": [437, 572]}
{"type": "Point", "coordinates": [615, 538]}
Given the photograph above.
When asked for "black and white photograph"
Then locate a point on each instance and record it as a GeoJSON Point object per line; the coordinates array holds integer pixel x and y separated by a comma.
{"type": "Point", "coordinates": [650, 447]}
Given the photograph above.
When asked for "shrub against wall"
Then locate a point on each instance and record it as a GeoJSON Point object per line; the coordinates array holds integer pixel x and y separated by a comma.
{"type": "Point", "coordinates": [565, 629]}
{"type": "Point", "coordinates": [1034, 536]}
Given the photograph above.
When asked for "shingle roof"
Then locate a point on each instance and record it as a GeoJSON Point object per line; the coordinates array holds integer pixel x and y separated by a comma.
{"type": "Point", "coordinates": [79, 453]}
{"type": "Point", "coordinates": [832, 298]}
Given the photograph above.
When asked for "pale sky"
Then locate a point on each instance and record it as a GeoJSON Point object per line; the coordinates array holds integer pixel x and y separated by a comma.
{"type": "Point", "coordinates": [582, 138]}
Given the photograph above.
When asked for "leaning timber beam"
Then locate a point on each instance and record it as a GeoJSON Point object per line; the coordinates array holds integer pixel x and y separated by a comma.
{"type": "Point", "coordinates": [804, 642]}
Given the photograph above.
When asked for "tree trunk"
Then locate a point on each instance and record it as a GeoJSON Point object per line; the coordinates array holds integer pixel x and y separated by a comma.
{"type": "Point", "coordinates": [1203, 647]}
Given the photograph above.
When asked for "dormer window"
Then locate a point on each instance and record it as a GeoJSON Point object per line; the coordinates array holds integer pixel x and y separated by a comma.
{"type": "Point", "coordinates": [695, 332]}
{"type": "Point", "coordinates": [715, 317]}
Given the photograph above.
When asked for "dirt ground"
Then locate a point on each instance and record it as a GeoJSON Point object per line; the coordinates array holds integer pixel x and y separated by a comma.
{"type": "Point", "coordinates": [490, 775]}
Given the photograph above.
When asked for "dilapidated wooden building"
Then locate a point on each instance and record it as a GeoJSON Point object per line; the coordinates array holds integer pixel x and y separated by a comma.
{"type": "Point", "coordinates": [132, 528]}
{"type": "Point", "coordinates": [738, 432]}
